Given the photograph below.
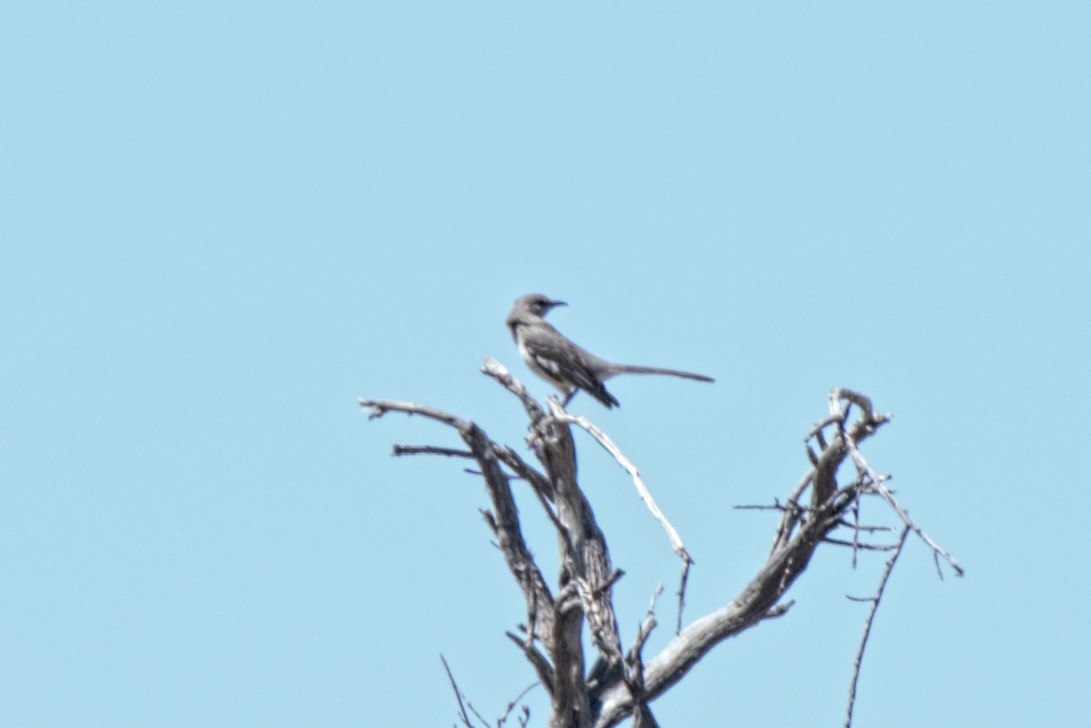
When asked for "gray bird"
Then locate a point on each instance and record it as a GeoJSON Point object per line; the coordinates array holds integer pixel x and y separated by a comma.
{"type": "Point", "coordinates": [562, 363]}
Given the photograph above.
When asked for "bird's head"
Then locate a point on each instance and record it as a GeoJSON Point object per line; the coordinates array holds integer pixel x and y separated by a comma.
{"type": "Point", "coordinates": [538, 304]}
{"type": "Point", "coordinates": [530, 307]}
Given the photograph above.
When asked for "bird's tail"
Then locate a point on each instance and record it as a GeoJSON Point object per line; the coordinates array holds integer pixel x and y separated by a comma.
{"type": "Point", "coordinates": [628, 369]}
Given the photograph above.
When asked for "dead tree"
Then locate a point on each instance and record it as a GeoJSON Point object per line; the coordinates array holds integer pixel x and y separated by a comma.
{"type": "Point", "coordinates": [621, 682]}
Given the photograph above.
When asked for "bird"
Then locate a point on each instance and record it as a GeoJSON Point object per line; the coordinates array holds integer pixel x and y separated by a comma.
{"type": "Point", "coordinates": [561, 362]}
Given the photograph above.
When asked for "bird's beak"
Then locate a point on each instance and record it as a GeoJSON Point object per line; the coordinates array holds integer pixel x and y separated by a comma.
{"type": "Point", "coordinates": [553, 304]}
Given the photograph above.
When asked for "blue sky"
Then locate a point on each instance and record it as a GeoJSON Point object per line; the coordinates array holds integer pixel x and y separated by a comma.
{"type": "Point", "coordinates": [223, 224]}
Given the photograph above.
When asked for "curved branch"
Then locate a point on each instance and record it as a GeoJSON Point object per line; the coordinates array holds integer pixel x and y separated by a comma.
{"type": "Point", "coordinates": [870, 618]}
{"type": "Point", "coordinates": [645, 495]}
{"type": "Point", "coordinates": [504, 518]}
{"type": "Point", "coordinates": [619, 687]}
{"type": "Point", "coordinates": [756, 602]}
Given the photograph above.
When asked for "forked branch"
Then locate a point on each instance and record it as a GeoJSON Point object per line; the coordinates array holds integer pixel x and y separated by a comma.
{"type": "Point", "coordinates": [622, 682]}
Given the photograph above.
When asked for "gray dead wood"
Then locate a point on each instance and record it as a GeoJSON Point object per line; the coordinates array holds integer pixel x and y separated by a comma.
{"type": "Point", "coordinates": [621, 683]}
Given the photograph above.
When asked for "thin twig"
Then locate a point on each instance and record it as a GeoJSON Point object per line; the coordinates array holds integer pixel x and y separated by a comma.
{"type": "Point", "coordinates": [867, 625]}
{"type": "Point", "coordinates": [380, 407]}
{"type": "Point", "coordinates": [400, 450]}
{"type": "Point", "coordinates": [858, 546]}
{"type": "Point", "coordinates": [686, 561]}
{"type": "Point", "coordinates": [876, 485]}
{"type": "Point", "coordinates": [536, 480]}
{"type": "Point", "coordinates": [866, 529]}
{"type": "Point", "coordinates": [536, 659]}
{"type": "Point", "coordinates": [477, 715]}
{"type": "Point", "coordinates": [779, 610]}
{"type": "Point", "coordinates": [503, 718]}
{"type": "Point", "coordinates": [774, 507]}
{"type": "Point", "coordinates": [642, 716]}
{"type": "Point", "coordinates": [458, 695]}
{"type": "Point", "coordinates": [500, 373]}
{"type": "Point", "coordinates": [855, 530]}
{"type": "Point", "coordinates": [607, 444]}
{"type": "Point", "coordinates": [649, 623]}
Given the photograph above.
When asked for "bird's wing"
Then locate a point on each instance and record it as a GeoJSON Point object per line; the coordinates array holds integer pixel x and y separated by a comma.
{"type": "Point", "coordinates": [565, 364]}
{"type": "Point", "coordinates": [558, 360]}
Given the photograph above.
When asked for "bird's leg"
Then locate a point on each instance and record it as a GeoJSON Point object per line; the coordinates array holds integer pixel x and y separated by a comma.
{"type": "Point", "coordinates": [568, 397]}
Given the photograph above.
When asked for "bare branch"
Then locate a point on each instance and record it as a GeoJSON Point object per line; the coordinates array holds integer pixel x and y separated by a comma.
{"type": "Point", "coordinates": [458, 695]}
{"type": "Point", "coordinates": [621, 686]}
{"type": "Point", "coordinates": [867, 624]}
{"type": "Point", "coordinates": [857, 546]}
{"type": "Point", "coordinates": [876, 484]}
{"type": "Point", "coordinates": [504, 717]}
{"type": "Point", "coordinates": [791, 507]}
{"type": "Point", "coordinates": [504, 519]}
{"type": "Point", "coordinates": [686, 563]}
{"type": "Point", "coordinates": [648, 625]}
{"type": "Point", "coordinates": [496, 370]}
{"type": "Point", "coordinates": [400, 450]}
{"type": "Point", "coordinates": [937, 551]}
{"type": "Point", "coordinates": [822, 476]}
{"type": "Point", "coordinates": [537, 481]}
{"type": "Point", "coordinates": [536, 659]}
{"type": "Point", "coordinates": [380, 407]}
{"type": "Point", "coordinates": [477, 714]}
{"type": "Point", "coordinates": [868, 529]}
{"type": "Point", "coordinates": [634, 669]}
{"type": "Point", "coordinates": [779, 610]}
{"type": "Point", "coordinates": [607, 444]}
{"type": "Point", "coordinates": [756, 602]}
{"type": "Point", "coordinates": [600, 437]}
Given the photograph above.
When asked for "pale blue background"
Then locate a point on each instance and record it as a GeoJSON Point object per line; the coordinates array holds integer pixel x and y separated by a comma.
{"type": "Point", "coordinates": [222, 223]}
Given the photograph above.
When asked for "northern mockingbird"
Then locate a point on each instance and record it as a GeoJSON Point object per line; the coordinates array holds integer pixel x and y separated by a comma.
{"type": "Point", "coordinates": [562, 363]}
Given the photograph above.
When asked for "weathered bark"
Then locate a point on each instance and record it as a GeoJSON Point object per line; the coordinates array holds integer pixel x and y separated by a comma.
{"type": "Point", "coordinates": [621, 684]}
